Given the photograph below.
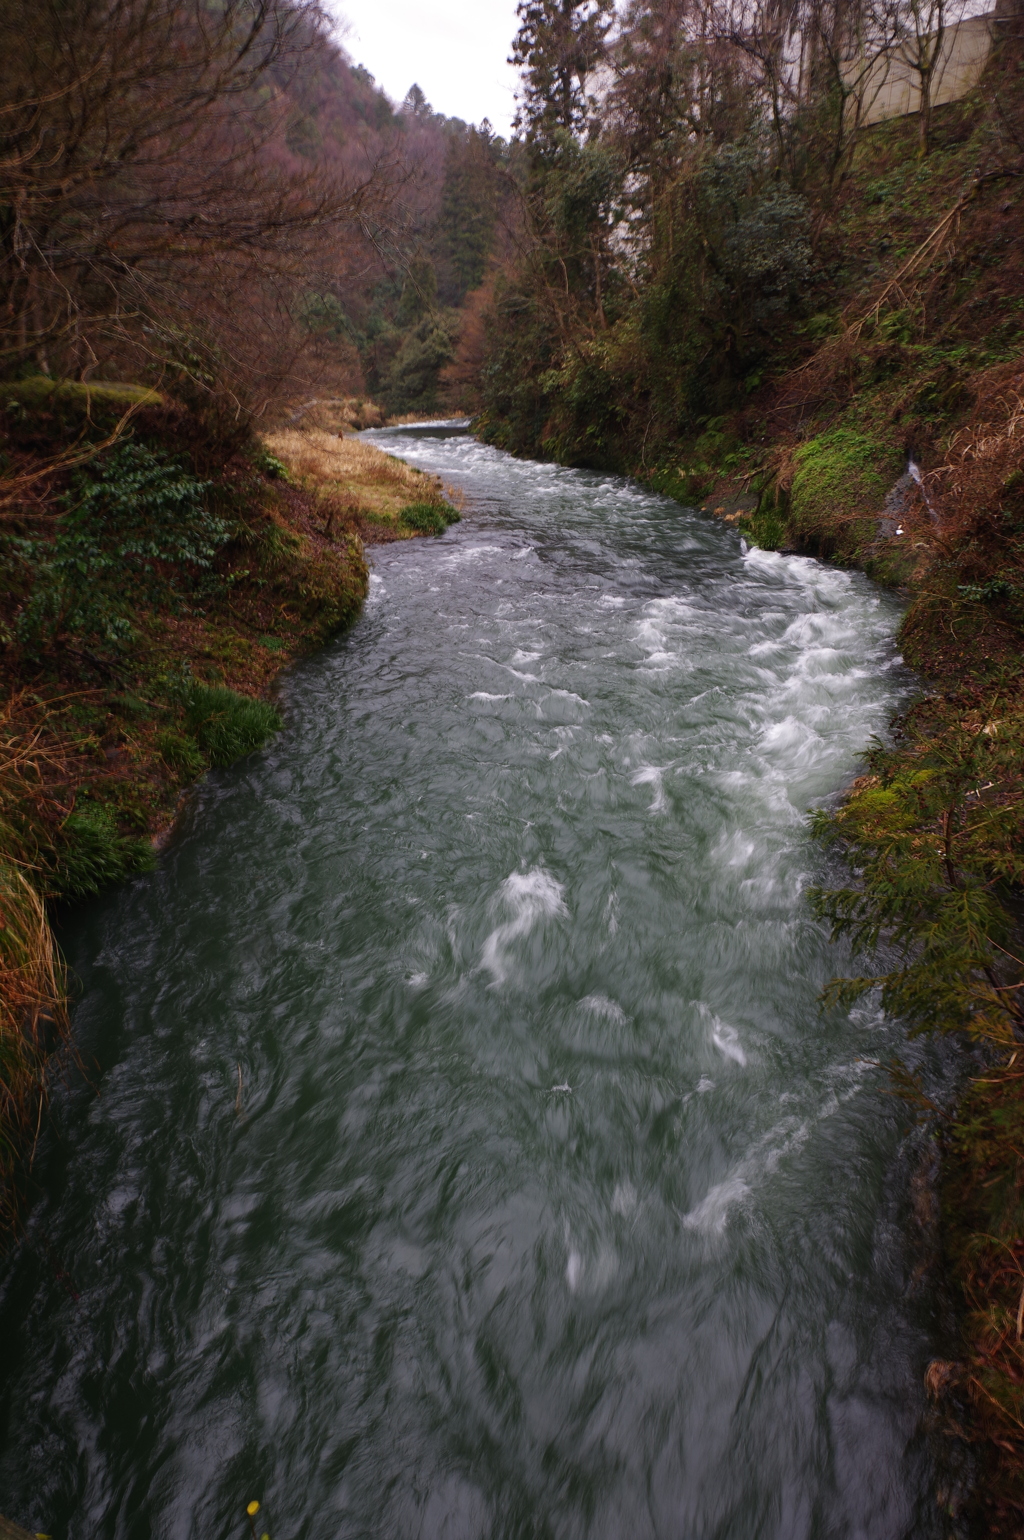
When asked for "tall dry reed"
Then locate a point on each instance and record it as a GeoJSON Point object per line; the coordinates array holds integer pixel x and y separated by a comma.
{"type": "Point", "coordinates": [33, 995]}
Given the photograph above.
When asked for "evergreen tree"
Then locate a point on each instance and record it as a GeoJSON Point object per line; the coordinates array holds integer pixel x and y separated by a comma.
{"type": "Point", "coordinates": [469, 206]}
{"type": "Point", "coordinates": [559, 45]}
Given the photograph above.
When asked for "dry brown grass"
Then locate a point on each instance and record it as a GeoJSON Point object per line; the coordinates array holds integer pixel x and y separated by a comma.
{"type": "Point", "coordinates": [32, 1019]}
{"type": "Point", "coordinates": [346, 475]}
{"type": "Point", "coordinates": [978, 491]}
{"type": "Point", "coordinates": [33, 1014]}
{"type": "Point", "coordinates": [337, 414]}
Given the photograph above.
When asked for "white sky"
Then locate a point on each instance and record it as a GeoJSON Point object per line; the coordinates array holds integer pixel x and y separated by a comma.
{"type": "Point", "coordinates": [454, 50]}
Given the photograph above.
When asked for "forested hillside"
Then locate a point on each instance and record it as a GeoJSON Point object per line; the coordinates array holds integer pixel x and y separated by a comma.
{"type": "Point", "coordinates": [727, 281]}
{"type": "Point", "coordinates": [219, 202]}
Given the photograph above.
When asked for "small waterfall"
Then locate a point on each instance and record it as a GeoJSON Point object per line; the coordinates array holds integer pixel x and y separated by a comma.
{"type": "Point", "coordinates": [914, 472]}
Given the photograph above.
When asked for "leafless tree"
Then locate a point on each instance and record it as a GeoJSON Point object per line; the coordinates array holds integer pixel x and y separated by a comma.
{"type": "Point", "coordinates": [150, 206]}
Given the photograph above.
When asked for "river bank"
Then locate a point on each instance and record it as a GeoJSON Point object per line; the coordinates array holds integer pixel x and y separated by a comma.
{"type": "Point", "coordinates": [934, 834]}
{"type": "Point", "coordinates": [934, 828]}
{"type": "Point", "coordinates": [548, 1191]}
{"type": "Point", "coordinates": [157, 578]}
{"type": "Point", "coordinates": [882, 429]}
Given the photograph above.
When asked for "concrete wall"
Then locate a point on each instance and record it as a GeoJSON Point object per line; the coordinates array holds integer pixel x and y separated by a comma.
{"type": "Point", "coordinates": [891, 88]}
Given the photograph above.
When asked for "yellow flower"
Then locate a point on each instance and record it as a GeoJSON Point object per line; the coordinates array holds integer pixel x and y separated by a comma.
{"type": "Point", "coordinates": [253, 1507]}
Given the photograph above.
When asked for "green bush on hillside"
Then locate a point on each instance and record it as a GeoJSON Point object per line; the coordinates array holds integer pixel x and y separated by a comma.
{"type": "Point", "coordinates": [136, 530]}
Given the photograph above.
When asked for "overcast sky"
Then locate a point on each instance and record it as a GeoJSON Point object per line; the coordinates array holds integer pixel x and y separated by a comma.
{"type": "Point", "coordinates": [455, 50]}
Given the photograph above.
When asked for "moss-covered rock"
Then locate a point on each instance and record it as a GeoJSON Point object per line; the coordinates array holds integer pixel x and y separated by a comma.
{"type": "Point", "coordinates": [39, 407]}
{"type": "Point", "coordinates": [839, 484]}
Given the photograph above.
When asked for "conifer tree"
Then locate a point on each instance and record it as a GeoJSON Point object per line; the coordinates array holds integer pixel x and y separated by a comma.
{"type": "Point", "coordinates": [558, 46]}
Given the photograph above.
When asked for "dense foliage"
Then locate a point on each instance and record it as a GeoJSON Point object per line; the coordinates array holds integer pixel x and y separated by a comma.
{"type": "Point", "coordinates": [136, 530]}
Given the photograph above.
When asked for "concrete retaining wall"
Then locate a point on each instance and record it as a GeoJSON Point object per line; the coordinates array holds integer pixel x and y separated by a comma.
{"type": "Point", "coordinates": [891, 87]}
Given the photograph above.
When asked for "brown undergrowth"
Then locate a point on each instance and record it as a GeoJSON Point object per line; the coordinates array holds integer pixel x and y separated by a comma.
{"type": "Point", "coordinates": [355, 484]}
{"type": "Point", "coordinates": [33, 1015]}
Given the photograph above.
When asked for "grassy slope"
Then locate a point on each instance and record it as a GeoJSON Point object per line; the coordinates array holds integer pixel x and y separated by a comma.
{"type": "Point", "coordinates": [100, 741]}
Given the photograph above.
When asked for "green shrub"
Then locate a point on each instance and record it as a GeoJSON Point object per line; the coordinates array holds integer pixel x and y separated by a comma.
{"type": "Point", "coordinates": [136, 530]}
{"type": "Point", "coordinates": [767, 529]}
{"type": "Point", "coordinates": [228, 725]}
{"type": "Point", "coordinates": [689, 484]}
{"type": "Point", "coordinates": [272, 467]}
{"type": "Point", "coordinates": [428, 518]}
{"type": "Point", "coordinates": [93, 853]}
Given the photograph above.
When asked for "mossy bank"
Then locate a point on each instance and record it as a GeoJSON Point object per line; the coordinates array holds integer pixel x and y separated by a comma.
{"type": "Point", "coordinates": [157, 576]}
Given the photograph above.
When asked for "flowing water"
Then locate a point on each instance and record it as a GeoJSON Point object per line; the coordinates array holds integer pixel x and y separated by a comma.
{"type": "Point", "coordinates": [549, 1204]}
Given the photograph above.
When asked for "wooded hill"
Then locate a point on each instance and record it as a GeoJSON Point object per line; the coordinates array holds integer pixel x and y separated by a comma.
{"type": "Point", "coordinates": [213, 199]}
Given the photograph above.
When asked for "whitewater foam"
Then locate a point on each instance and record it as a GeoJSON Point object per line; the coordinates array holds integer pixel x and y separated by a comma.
{"type": "Point", "coordinates": [600, 1005]}
{"type": "Point", "coordinates": [531, 896]}
{"type": "Point", "coordinates": [652, 775]}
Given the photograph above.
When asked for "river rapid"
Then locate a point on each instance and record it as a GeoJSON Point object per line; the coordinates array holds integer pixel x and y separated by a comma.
{"type": "Point", "coordinates": [547, 1203]}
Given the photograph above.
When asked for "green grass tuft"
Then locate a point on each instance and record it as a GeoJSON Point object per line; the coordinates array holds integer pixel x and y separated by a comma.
{"type": "Point", "coordinates": [228, 725]}
{"type": "Point", "coordinates": [94, 854]}
{"type": "Point", "coordinates": [428, 518]}
{"type": "Point", "coordinates": [767, 529]}
{"type": "Point", "coordinates": [180, 752]}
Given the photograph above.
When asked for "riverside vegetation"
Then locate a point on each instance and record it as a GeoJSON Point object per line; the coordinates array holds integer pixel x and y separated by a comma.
{"type": "Point", "coordinates": [144, 619]}
{"type": "Point", "coordinates": [726, 284]}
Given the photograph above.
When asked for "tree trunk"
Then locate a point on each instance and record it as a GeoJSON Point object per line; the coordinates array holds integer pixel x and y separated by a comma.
{"type": "Point", "coordinates": [924, 117]}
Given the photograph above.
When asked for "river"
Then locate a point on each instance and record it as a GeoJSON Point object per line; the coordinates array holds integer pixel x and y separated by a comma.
{"type": "Point", "coordinates": [547, 1203]}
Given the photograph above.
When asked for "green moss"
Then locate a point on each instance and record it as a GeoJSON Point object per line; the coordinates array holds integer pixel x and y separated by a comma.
{"type": "Point", "coordinates": [39, 392]}
{"type": "Point", "coordinates": [840, 472]}
{"type": "Point", "coordinates": [838, 490]}
{"type": "Point", "coordinates": [69, 406]}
